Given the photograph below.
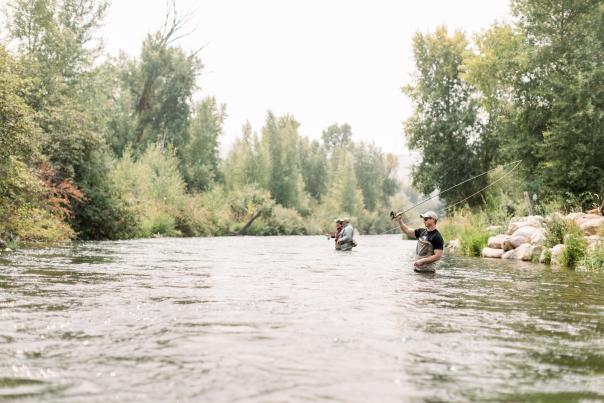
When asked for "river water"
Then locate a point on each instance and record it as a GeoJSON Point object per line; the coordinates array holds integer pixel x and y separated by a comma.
{"type": "Point", "coordinates": [276, 319]}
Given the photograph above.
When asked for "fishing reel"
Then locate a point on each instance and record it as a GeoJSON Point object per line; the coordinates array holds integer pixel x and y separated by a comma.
{"type": "Point", "coordinates": [393, 215]}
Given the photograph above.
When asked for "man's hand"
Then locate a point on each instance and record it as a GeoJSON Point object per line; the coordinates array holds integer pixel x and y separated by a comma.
{"type": "Point", "coordinates": [419, 262]}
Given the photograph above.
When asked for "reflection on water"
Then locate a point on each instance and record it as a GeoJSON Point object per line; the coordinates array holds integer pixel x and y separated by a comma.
{"type": "Point", "coordinates": [289, 319]}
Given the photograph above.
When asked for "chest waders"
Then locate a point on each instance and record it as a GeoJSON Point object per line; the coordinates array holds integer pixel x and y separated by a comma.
{"type": "Point", "coordinates": [424, 249]}
{"type": "Point", "coordinates": [348, 244]}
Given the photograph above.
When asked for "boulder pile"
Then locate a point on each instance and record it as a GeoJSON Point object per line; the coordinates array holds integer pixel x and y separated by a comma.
{"type": "Point", "coordinates": [525, 237]}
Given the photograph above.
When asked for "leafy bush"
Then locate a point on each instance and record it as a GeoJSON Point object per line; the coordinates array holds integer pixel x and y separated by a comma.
{"type": "Point", "coordinates": [547, 256]}
{"type": "Point", "coordinates": [575, 249]}
{"type": "Point", "coordinates": [469, 228]}
{"type": "Point", "coordinates": [594, 260]}
{"type": "Point", "coordinates": [153, 189]}
{"type": "Point", "coordinates": [556, 230]}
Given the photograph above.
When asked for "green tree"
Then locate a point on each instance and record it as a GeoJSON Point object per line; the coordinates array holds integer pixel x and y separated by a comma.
{"type": "Point", "coordinates": [559, 125]}
{"type": "Point", "coordinates": [343, 194]}
{"type": "Point", "coordinates": [244, 165]}
{"type": "Point", "coordinates": [445, 126]}
{"type": "Point", "coordinates": [280, 141]}
{"type": "Point", "coordinates": [313, 165]}
{"type": "Point", "coordinates": [375, 174]}
{"type": "Point", "coordinates": [201, 154]}
{"type": "Point", "coordinates": [337, 136]}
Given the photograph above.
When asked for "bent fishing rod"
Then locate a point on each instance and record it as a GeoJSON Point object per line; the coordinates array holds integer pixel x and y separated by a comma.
{"type": "Point", "coordinates": [393, 215]}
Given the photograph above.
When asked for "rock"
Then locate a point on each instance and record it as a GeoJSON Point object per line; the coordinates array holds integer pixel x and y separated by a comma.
{"type": "Point", "coordinates": [496, 241]}
{"type": "Point", "coordinates": [526, 231]}
{"type": "Point", "coordinates": [595, 211]}
{"type": "Point", "coordinates": [535, 221]}
{"type": "Point", "coordinates": [522, 252]}
{"type": "Point", "coordinates": [509, 254]}
{"type": "Point", "coordinates": [574, 216]}
{"type": "Point", "coordinates": [517, 240]}
{"type": "Point", "coordinates": [492, 253]}
{"type": "Point", "coordinates": [556, 252]}
{"type": "Point", "coordinates": [2, 245]}
{"type": "Point", "coordinates": [590, 226]}
{"type": "Point", "coordinates": [538, 237]}
{"type": "Point", "coordinates": [507, 245]}
{"type": "Point", "coordinates": [453, 246]}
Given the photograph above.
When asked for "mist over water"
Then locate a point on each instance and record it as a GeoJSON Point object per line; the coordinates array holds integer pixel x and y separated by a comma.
{"type": "Point", "coordinates": [290, 319]}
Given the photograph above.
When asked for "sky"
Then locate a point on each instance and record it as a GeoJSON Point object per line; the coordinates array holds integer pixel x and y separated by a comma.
{"type": "Point", "coordinates": [322, 61]}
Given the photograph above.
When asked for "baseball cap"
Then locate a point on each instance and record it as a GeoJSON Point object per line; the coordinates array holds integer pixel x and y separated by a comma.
{"type": "Point", "coordinates": [430, 214]}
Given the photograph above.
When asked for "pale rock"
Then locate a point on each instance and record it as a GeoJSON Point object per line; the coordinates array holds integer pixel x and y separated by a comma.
{"type": "Point", "coordinates": [509, 254]}
{"type": "Point", "coordinates": [592, 225]}
{"type": "Point", "coordinates": [556, 252]}
{"type": "Point", "coordinates": [527, 231]}
{"type": "Point", "coordinates": [522, 252]}
{"type": "Point", "coordinates": [492, 253]}
{"type": "Point", "coordinates": [507, 245]}
{"type": "Point", "coordinates": [517, 240]}
{"type": "Point", "coordinates": [496, 241]}
{"type": "Point", "coordinates": [535, 221]}
{"type": "Point", "coordinates": [453, 245]}
{"type": "Point", "coordinates": [538, 237]}
{"type": "Point", "coordinates": [574, 216]}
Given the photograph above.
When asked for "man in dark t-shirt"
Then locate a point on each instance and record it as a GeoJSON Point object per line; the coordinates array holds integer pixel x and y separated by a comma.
{"type": "Point", "coordinates": [430, 243]}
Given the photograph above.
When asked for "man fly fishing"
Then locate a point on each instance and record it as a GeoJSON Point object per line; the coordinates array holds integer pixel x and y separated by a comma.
{"type": "Point", "coordinates": [430, 242]}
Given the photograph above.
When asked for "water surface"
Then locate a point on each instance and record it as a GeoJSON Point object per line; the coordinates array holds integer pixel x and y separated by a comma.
{"type": "Point", "coordinates": [290, 319]}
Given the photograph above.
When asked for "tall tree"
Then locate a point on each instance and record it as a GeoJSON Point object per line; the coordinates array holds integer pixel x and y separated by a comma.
{"type": "Point", "coordinates": [445, 126]}
{"type": "Point", "coordinates": [337, 136]}
{"type": "Point", "coordinates": [560, 100]}
{"type": "Point", "coordinates": [201, 154]}
{"type": "Point", "coordinates": [156, 92]}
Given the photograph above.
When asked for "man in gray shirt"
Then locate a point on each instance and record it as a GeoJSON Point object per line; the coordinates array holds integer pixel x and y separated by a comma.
{"type": "Point", "coordinates": [346, 238]}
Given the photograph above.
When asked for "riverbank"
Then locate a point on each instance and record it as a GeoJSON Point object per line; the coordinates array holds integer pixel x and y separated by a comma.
{"type": "Point", "coordinates": [574, 240]}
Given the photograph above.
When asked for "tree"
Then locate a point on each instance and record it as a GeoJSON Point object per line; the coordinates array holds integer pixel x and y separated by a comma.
{"type": "Point", "coordinates": [244, 165]}
{"type": "Point", "coordinates": [343, 195]}
{"type": "Point", "coordinates": [280, 141]}
{"type": "Point", "coordinates": [201, 154]}
{"type": "Point", "coordinates": [337, 136]}
{"type": "Point", "coordinates": [560, 99]}
{"type": "Point", "coordinates": [375, 175]}
{"type": "Point", "coordinates": [445, 126]}
{"type": "Point", "coordinates": [313, 166]}
{"type": "Point", "coordinates": [156, 92]}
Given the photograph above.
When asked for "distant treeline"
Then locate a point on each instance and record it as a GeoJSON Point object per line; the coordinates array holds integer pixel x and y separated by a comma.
{"type": "Point", "coordinates": [109, 148]}
{"type": "Point", "coordinates": [530, 90]}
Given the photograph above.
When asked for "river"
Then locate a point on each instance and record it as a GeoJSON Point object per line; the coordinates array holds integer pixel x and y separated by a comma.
{"type": "Point", "coordinates": [289, 319]}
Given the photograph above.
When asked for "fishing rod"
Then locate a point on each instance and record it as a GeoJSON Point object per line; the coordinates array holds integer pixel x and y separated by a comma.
{"type": "Point", "coordinates": [393, 215]}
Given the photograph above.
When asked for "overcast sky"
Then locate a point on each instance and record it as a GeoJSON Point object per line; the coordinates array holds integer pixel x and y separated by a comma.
{"type": "Point", "coordinates": [323, 61]}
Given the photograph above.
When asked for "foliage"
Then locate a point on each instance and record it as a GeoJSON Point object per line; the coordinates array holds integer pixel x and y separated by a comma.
{"type": "Point", "coordinates": [575, 250]}
{"type": "Point", "coordinates": [153, 189]}
{"type": "Point", "coordinates": [594, 259]}
{"type": "Point", "coordinates": [445, 126]}
{"type": "Point", "coordinates": [469, 228]}
{"type": "Point", "coordinates": [200, 156]}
